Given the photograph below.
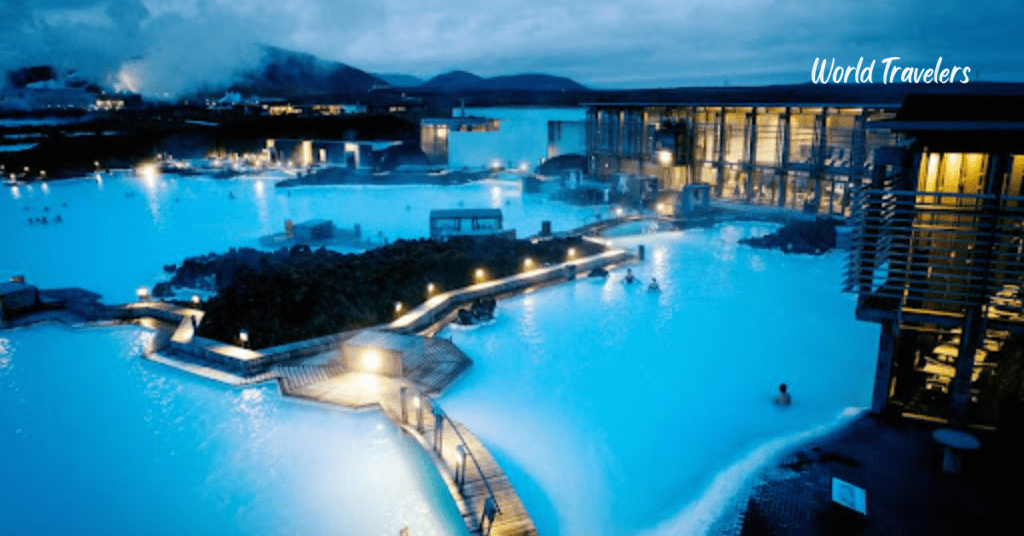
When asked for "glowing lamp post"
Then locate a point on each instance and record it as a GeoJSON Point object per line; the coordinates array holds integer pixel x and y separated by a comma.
{"type": "Point", "coordinates": [665, 157]}
{"type": "Point", "coordinates": [195, 299]}
{"type": "Point", "coordinates": [528, 264]}
{"type": "Point", "coordinates": [479, 274]}
{"type": "Point", "coordinates": [618, 211]}
{"type": "Point", "coordinates": [142, 293]}
{"type": "Point", "coordinates": [571, 254]}
{"type": "Point", "coordinates": [460, 468]}
{"type": "Point", "coordinates": [243, 337]}
{"type": "Point", "coordinates": [398, 308]}
{"type": "Point", "coordinates": [372, 361]}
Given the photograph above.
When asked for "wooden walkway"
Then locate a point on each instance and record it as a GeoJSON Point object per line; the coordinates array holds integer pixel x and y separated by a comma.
{"type": "Point", "coordinates": [476, 489]}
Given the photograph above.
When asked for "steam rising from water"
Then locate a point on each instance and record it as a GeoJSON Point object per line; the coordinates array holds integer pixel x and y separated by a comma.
{"type": "Point", "coordinates": [160, 49]}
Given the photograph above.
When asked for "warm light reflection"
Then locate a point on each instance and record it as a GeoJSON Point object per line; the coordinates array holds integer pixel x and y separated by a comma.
{"type": "Point", "coordinates": [372, 361]}
{"type": "Point", "coordinates": [664, 157]}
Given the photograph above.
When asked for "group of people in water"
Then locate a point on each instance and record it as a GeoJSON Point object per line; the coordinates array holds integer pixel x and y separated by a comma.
{"type": "Point", "coordinates": [630, 278]}
{"type": "Point", "coordinates": [44, 219]}
{"type": "Point", "coordinates": [782, 399]}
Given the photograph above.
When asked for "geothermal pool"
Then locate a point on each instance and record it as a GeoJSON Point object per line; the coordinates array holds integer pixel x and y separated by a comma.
{"type": "Point", "coordinates": [612, 409]}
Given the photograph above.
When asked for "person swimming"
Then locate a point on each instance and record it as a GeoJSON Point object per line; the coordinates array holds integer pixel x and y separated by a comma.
{"type": "Point", "coordinates": [630, 278]}
{"type": "Point", "coordinates": [653, 286]}
{"type": "Point", "coordinates": [783, 398]}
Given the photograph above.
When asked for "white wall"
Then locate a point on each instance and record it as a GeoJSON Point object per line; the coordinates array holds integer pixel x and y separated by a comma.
{"type": "Point", "coordinates": [523, 137]}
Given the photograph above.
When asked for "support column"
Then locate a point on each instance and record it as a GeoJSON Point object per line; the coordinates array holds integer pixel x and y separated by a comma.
{"type": "Point", "coordinates": [818, 165]}
{"type": "Point", "coordinates": [782, 175]}
{"type": "Point", "coordinates": [883, 370]}
{"type": "Point", "coordinates": [720, 180]}
{"type": "Point", "coordinates": [752, 157]}
{"type": "Point", "coordinates": [960, 388]}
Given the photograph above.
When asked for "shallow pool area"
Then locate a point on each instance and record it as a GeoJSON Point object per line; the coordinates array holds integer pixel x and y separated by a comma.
{"type": "Point", "coordinates": [96, 440]}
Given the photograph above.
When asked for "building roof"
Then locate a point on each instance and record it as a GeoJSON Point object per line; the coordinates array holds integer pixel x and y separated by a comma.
{"type": "Point", "coordinates": [876, 95]}
{"type": "Point", "coordinates": [12, 287]}
{"type": "Point", "coordinates": [465, 213]}
{"type": "Point", "coordinates": [314, 223]}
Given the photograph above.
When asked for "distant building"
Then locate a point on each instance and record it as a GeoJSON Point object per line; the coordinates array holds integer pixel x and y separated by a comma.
{"type": "Point", "coordinates": [445, 224]}
{"type": "Point", "coordinates": [937, 260]}
{"type": "Point", "coordinates": [798, 155]}
{"type": "Point", "coordinates": [510, 137]}
{"type": "Point", "coordinates": [435, 133]}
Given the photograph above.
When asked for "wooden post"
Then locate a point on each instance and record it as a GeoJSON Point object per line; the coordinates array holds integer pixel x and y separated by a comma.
{"type": "Point", "coordinates": [419, 412]}
{"type": "Point", "coordinates": [402, 397]}
{"type": "Point", "coordinates": [438, 427]}
{"type": "Point", "coordinates": [460, 467]}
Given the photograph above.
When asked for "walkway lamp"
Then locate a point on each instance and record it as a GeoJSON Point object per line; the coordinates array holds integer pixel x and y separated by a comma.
{"type": "Point", "coordinates": [243, 336]}
{"type": "Point", "coordinates": [142, 293]}
{"type": "Point", "coordinates": [460, 467]}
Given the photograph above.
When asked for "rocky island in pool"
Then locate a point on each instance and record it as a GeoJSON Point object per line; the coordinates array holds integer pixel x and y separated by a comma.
{"type": "Point", "coordinates": [301, 293]}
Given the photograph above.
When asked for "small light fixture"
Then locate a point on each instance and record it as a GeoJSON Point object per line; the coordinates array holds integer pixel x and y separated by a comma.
{"type": "Point", "coordinates": [479, 273]}
{"type": "Point", "coordinates": [431, 288]}
{"type": "Point", "coordinates": [528, 263]}
{"type": "Point", "coordinates": [142, 293]}
{"type": "Point", "coordinates": [372, 361]}
{"type": "Point", "coordinates": [398, 306]}
{"type": "Point", "coordinates": [195, 299]}
{"type": "Point", "coordinates": [665, 157]}
{"type": "Point", "coordinates": [618, 211]}
{"type": "Point", "coordinates": [243, 335]}
{"type": "Point", "coordinates": [571, 253]}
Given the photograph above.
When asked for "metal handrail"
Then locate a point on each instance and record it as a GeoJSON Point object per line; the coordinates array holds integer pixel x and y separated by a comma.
{"type": "Point", "coordinates": [494, 498]}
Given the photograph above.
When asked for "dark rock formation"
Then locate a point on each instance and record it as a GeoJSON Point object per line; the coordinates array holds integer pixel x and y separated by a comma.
{"type": "Point", "coordinates": [809, 237]}
{"type": "Point", "coordinates": [299, 293]}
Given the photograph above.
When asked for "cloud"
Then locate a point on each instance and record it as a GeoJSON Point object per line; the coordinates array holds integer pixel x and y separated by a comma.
{"type": "Point", "coordinates": [184, 44]}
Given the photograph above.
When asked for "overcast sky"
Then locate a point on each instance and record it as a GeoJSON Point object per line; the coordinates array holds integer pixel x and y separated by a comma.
{"type": "Point", "coordinates": [601, 43]}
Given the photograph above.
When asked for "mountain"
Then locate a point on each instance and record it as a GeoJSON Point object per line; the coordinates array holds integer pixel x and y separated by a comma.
{"type": "Point", "coordinates": [399, 80]}
{"type": "Point", "coordinates": [461, 80]}
{"type": "Point", "coordinates": [453, 81]}
{"type": "Point", "coordinates": [295, 75]}
{"type": "Point", "coordinates": [538, 82]}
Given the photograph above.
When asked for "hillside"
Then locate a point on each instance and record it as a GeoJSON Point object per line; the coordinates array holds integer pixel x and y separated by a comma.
{"type": "Point", "coordinates": [296, 75]}
{"type": "Point", "coordinates": [462, 81]}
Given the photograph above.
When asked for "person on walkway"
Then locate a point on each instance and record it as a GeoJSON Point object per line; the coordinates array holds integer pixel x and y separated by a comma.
{"type": "Point", "coordinates": [783, 398]}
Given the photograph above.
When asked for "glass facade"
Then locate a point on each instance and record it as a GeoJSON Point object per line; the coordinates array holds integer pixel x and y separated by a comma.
{"type": "Point", "coordinates": [786, 156]}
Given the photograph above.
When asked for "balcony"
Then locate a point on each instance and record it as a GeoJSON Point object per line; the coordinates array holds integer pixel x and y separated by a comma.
{"type": "Point", "coordinates": [932, 256]}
